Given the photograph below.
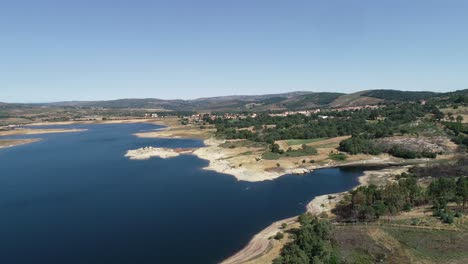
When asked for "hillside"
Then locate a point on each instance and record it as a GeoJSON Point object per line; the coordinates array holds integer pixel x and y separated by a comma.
{"type": "Point", "coordinates": [395, 95]}
{"type": "Point", "coordinates": [269, 102]}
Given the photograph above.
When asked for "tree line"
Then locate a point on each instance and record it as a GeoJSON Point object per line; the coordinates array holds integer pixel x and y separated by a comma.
{"type": "Point", "coordinates": [368, 203]}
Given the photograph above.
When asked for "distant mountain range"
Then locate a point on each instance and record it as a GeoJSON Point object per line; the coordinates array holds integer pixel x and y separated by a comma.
{"type": "Point", "coordinates": [290, 101]}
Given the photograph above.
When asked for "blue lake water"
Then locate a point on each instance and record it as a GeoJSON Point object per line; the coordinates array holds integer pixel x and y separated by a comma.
{"type": "Point", "coordinates": [75, 198]}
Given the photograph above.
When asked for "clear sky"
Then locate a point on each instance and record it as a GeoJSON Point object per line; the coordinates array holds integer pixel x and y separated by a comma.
{"type": "Point", "coordinates": [108, 49]}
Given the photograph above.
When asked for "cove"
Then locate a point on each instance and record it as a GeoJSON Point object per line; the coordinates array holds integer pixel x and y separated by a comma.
{"type": "Point", "coordinates": [75, 198]}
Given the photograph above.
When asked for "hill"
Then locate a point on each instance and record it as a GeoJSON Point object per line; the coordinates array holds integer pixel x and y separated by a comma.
{"type": "Point", "coordinates": [299, 100]}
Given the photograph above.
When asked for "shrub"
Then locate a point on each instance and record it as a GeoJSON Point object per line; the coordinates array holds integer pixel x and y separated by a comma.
{"type": "Point", "coordinates": [407, 207]}
{"type": "Point", "coordinates": [449, 219]}
{"type": "Point", "coordinates": [279, 236]}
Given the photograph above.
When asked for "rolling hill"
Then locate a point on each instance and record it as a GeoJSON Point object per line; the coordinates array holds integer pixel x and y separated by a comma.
{"type": "Point", "coordinates": [284, 101]}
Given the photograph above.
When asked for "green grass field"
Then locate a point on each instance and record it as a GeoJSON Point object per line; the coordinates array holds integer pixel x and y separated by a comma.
{"type": "Point", "coordinates": [293, 142]}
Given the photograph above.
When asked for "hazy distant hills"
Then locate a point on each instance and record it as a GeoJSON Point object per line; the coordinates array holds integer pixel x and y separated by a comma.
{"type": "Point", "coordinates": [290, 101]}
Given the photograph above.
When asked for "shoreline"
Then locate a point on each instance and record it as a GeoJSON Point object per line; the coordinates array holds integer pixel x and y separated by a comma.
{"type": "Point", "coordinates": [12, 142]}
{"type": "Point", "coordinates": [110, 121]}
{"type": "Point", "coordinates": [7, 143]}
{"type": "Point", "coordinates": [261, 243]}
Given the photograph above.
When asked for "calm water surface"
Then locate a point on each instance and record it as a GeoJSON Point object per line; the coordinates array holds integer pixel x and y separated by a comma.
{"type": "Point", "coordinates": [75, 198]}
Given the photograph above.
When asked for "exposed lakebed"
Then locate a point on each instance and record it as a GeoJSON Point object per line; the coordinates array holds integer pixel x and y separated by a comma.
{"type": "Point", "coordinates": [75, 198]}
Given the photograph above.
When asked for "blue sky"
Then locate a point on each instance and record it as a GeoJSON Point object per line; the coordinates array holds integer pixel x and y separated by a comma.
{"type": "Point", "coordinates": [90, 50]}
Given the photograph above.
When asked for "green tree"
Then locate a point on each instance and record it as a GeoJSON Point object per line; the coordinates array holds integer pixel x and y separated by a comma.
{"type": "Point", "coordinates": [441, 191]}
{"type": "Point", "coordinates": [462, 190]}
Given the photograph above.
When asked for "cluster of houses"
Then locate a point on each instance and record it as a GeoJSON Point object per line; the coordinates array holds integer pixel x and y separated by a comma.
{"type": "Point", "coordinates": [200, 118]}
{"type": "Point", "coordinates": [316, 111]}
{"type": "Point", "coordinates": [306, 113]}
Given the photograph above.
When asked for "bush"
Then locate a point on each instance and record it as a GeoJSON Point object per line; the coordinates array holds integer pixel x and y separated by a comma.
{"type": "Point", "coordinates": [407, 207]}
{"type": "Point", "coordinates": [279, 236]}
{"type": "Point", "coordinates": [449, 219]}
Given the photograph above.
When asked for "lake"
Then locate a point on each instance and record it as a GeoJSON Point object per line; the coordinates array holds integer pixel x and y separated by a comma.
{"type": "Point", "coordinates": [75, 198]}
